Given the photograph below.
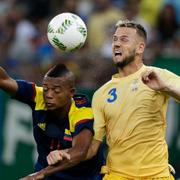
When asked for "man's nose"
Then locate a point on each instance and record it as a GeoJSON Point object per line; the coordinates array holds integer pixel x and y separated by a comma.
{"type": "Point", "coordinates": [49, 94]}
{"type": "Point", "coordinates": [117, 43]}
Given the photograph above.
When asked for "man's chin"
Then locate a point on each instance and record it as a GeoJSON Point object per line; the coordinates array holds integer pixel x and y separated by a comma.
{"type": "Point", "coordinates": [118, 59]}
{"type": "Point", "coordinates": [51, 108]}
{"type": "Point", "coordinates": [120, 64]}
{"type": "Point", "coordinates": [123, 63]}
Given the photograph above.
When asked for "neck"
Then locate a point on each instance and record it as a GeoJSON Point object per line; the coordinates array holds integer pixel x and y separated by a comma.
{"type": "Point", "coordinates": [130, 68]}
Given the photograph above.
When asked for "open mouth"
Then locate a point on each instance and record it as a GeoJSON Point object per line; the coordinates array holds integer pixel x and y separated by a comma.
{"type": "Point", "coordinates": [118, 54]}
{"type": "Point", "coordinates": [49, 104]}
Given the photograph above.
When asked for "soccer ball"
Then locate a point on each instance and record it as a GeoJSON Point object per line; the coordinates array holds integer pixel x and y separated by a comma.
{"type": "Point", "coordinates": [67, 32]}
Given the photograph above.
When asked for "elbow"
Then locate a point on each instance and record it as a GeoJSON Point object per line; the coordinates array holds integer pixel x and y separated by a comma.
{"type": "Point", "coordinates": [82, 155]}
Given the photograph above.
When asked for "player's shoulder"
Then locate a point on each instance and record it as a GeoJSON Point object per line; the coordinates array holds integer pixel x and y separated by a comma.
{"type": "Point", "coordinates": [24, 83]}
{"type": "Point", "coordinates": [81, 100]}
{"type": "Point", "coordinates": [80, 108]}
{"type": "Point", "coordinates": [103, 88]}
{"type": "Point", "coordinates": [161, 71]}
{"type": "Point", "coordinates": [29, 85]}
{"type": "Point", "coordinates": [154, 68]}
{"type": "Point", "coordinates": [38, 89]}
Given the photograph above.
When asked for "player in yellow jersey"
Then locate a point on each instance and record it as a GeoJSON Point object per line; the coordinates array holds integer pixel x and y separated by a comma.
{"type": "Point", "coordinates": [130, 110]}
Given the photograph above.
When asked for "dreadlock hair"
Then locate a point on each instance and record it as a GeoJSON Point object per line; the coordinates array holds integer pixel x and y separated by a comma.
{"type": "Point", "coordinates": [132, 24]}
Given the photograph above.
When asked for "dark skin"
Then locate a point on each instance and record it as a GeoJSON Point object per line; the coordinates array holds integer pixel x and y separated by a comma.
{"type": "Point", "coordinates": [7, 83]}
{"type": "Point", "coordinates": [77, 153]}
{"type": "Point", "coordinates": [58, 93]}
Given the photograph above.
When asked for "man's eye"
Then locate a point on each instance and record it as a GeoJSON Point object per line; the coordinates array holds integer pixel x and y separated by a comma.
{"type": "Point", "coordinates": [57, 90]}
{"type": "Point", "coordinates": [124, 40]}
{"type": "Point", "coordinates": [45, 89]}
{"type": "Point", "coordinates": [115, 38]}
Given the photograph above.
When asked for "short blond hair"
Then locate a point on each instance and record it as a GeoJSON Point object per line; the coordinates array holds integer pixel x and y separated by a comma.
{"type": "Point", "coordinates": [132, 24]}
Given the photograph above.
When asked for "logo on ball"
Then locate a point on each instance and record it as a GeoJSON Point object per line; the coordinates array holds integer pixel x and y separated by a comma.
{"type": "Point", "coordinates": [67, 32]}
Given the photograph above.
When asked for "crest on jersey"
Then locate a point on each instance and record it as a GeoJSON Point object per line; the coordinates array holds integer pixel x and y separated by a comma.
{"type": "Point", "coordinates": [134, 85]}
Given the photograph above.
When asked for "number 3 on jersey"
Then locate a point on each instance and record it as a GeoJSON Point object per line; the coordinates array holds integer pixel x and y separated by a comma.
{"type": "Point", "coordinates": [113, 95]}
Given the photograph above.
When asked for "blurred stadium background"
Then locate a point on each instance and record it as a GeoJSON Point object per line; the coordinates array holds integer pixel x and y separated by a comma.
{"type": "Point", "coordinates": [26, 54]}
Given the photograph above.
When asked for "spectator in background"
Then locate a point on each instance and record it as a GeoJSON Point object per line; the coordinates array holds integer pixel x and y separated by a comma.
{"type": "Point", "coordinates": [149, 10]}
{"type": "Point", "coordinates": [103, 16]}
{"type": "Point", "coordinates": [21, 47]}
{"type": "Point", "coordinates": [176, 5]}
{"type": "Point", "coordinates": [167, 24]}
{"type": "Point", "coordinates": [132, 12]}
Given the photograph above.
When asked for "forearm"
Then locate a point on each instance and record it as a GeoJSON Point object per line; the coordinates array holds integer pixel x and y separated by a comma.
{"type": "Point", "coordinates": [91, 153]}
{"type": "Point", "coordinates": [93, 148]}
{"type": "Point", "coordinates": [77, 154]}
{"type": "Point", "coordinates": [168, 83]}
{"type": "Point", "coordinates": [7, 83]}
{"type": "Point", "coordinates": [173, 91]}
{"type": "Point", "coordinates": [80, 146]}
{"type": "Point", "coordinates": [76, 157]}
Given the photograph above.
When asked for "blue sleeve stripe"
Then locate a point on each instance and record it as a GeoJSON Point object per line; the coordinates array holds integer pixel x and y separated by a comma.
{"type": "Point", "coordinates": [88, 124]}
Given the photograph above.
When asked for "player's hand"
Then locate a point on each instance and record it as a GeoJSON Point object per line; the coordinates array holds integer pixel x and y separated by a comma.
{"type": "Point", "coordinates": [34, 176]}
{"type": "Point", "coordinates": [153, 80]}
{"type": "Point", "coordinates": [57, 155]}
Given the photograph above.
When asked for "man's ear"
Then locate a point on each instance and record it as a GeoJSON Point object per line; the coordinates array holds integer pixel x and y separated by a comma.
{"type": "Point", "coordinates": [73, 91]}
{"type": "Point", "coordinates": [140, 48]}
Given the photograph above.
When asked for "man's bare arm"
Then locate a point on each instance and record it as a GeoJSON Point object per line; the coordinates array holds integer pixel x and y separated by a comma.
{"type": "Point", "coordinates": [80, 146]}
{"type": "Point", "coordinates": [93, 148]}
{"type": "Point", "coordinates": [7, 84]}
{"type": "Point", "coordinates": [154, 81]}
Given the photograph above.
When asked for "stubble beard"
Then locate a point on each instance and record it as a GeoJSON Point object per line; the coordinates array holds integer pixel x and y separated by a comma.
{"type": "Point", "coordinates": [126, 61]}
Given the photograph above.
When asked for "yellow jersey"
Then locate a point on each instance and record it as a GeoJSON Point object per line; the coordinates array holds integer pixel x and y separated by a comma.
{"type": "Point", "coordinates": [133, 118]}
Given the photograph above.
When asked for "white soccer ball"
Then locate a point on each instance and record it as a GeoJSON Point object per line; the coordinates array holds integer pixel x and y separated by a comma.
{"type": "Point", "coordinates": [67, 32]}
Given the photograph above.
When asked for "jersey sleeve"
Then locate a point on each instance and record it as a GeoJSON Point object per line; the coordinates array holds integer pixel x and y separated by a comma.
{"type": "Point", "coordinates": [26, 92]}
{"type": "Point", "coordinates": [81, 118]}
{"type": "Point", "coordinates": [99, 120]}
